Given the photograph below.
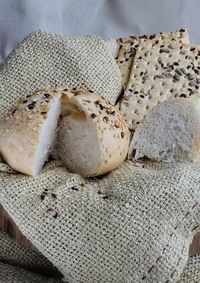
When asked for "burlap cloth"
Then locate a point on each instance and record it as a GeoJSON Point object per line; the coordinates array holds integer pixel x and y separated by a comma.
{"type": "Point", "coordinates": [132, 225]}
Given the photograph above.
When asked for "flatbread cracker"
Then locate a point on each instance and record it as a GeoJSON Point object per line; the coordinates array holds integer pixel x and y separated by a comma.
{"type": "Point", "coordinates": [160, 71]}
{"type": "Point", "coordinates": [128, 48]}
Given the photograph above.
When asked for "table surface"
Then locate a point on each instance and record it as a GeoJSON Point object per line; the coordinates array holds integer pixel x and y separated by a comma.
{"type": "Point", "coordinates": [195, 246]}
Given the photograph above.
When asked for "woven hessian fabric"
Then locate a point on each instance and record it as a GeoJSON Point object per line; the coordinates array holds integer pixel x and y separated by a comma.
{"type": "Point", "coordinates": [44, 59]}
{"type": "Point", "coordinates": [134, 225]}
{"type": "Point", "coordinates": [191, 273]}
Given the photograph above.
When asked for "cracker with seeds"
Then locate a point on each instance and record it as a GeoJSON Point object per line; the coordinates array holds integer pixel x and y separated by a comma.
{"type": "Point", "coordinates": [160, 71]}
{"type": "Point", "coordinates": [128, 47]}
{"type": "Point", "coordinates": [127, 50]}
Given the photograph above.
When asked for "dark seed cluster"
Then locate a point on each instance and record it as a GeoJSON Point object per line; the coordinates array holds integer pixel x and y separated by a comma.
{"type": "Point", "coordinates": [46, 95]}
{"type": "Point", "coordinates": [73, 188]}
{"type": "Point", "coordinates": [53, 195]}
{"type": "Point", "coordinates": [93, 115]}
{"type": "Point", "coordinates": [105, 197]}
{"type": "Point", "coordinates": [45, 193]}
{"type": "Point", "coordinates": [31, 105]}
{"type": "Point", "coordinates": [111, 112]}
{"type": "Point", "coordinates": [39, 100]}
{"type": "Point", "coordinates": [55, 215]}
{"type": "Point", "coordinates": [106, 119]}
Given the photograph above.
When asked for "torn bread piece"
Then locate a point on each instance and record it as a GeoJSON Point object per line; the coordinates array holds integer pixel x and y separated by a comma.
{"type": "Point", "coordinates": [170, 132]}
{"type": "Point", "coordinates": [28, 132]}
{"type": "Point", "coordinates": [128, 47]}
{"type": "Point", "coordinates": [93, 137]}
{"type": "Point", "coordinates": [160, 71]}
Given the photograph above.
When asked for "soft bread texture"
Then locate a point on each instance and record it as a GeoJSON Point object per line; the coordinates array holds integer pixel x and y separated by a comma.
{"type": "Point", "coordinates": [28, 132]}
{"type": "Point", "coordinates": [93, 137]}
{"type": "Point", "coordinates": [128, 47]}
{"type": "Point", "coordinates": [170, 132]}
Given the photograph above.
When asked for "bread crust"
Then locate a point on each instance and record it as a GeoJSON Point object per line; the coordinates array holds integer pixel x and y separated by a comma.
{"type": "Point", "coordinates": [21, 129]}
{"type": "Point", "coordinates": [112, 133]}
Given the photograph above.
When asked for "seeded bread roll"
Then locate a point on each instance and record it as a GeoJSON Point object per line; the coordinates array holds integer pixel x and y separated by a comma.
{"type": "Point", "coordinates": [93, 137]}
{"type": "Point", "coordinates": [28, 132]}
{"type": "Point", "coordinates": [170, 132]}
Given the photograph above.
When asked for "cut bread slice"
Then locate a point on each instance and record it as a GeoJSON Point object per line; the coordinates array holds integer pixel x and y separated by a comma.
{"type": "Point", "coordinates": [161, 70]}
{"type": "Point", "coordinates": [170, 132]}
{"type": "Point", "coordinates": [128, 47]}
{"type": "Point", "coordinates": [93, 137]}
{"type": "Point", "coordinates": [28, 132]}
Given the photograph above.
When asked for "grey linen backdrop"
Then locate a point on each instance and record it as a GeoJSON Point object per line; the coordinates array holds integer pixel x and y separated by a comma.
{"type": "Point", "coordinates": [106, 18]}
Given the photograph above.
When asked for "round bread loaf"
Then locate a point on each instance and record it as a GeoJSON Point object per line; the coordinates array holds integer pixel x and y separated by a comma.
{"type": "Point", "coordinates": [28, 132]}
{"type": "Point", "coordinates": [170, 132]}
{"type": "Point", "coordinates": [93, 137]}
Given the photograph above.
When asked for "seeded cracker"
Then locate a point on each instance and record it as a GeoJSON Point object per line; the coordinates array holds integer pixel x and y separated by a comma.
{"type": "Point", "coordinates": [128, 47]}
{"type": "Point", "coordinates": [160, 71]}
{"type": "Point", "coordinates": [125, 56]}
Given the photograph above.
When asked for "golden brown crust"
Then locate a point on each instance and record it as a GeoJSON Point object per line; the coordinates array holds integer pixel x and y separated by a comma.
{"type": "Point", "coordinates": [21, 129]}
{"type": "Point", "coordinates": [112, 132]}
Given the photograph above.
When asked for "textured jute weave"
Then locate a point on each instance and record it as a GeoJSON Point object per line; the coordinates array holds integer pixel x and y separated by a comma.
{"type": "Point", "coordinates": [11, 272]}
{"type": "Point", "coordinates": [132, 225]}
{"type": "Point", "coordinates": [18, 255]}
{"type": "Point", "coordinates": [191, 273]}
{"type": "Point", "coordinates": [44, 59]}
{"type": "Point", "coordinates": [21, 265]}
